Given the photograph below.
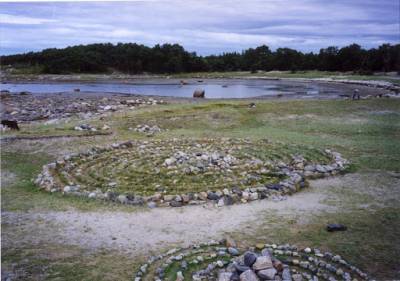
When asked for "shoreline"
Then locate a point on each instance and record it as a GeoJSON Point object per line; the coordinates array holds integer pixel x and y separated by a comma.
{"type": "Point", "coordinates": [370, 87]}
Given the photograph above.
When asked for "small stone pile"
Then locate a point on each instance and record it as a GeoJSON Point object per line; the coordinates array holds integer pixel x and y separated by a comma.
{"type": "Point", "coordinates": [85, 127]}
{"type": "Point", "coordinates": [225, 261]}
{"type": "Point", "coordinates": [238, 176]}
{"type": "Point", "coordinates": [147, 129]}
{"type": "Point", "coordinates": [141, 101]}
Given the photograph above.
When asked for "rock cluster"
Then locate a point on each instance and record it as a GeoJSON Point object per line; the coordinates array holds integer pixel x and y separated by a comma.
{"type": "Point", "coordinates": [200, 161]}
{"type": "Point", "coordinates": [147, 129]}
{"type": "Point", "coordinates": [54, 106]}
{"type": "Point", "coordinates": [369, 83]}
{"type": "Point", "coordinates": [238, 177]}
{"type": "Point", "coordinates": [85, 127]}
{"type": "Point", "coordinates": [223, 261]}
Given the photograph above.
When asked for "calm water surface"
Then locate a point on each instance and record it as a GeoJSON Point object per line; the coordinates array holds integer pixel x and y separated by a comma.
{"type": "Point", "coordinates": [213, 88]}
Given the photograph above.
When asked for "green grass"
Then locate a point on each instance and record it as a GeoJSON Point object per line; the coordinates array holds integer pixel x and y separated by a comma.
{"type": "Point", "coordinates": [57, 262]}
{"type": "Point", "coordinates": [367, 132]}
{"type": "Point", "coordinates": [370, 243]}
{"type": "Point", "coordinates": [21, 194]}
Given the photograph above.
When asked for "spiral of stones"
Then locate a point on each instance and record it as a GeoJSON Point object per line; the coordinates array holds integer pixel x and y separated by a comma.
{"type": "Point", "coordinates": [92, 173]}
{"type": "Point", "coordinates": [224, 261]}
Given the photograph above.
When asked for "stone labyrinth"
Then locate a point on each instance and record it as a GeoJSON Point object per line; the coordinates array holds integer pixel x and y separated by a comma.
{"type": "Point", "coordinates": [224, 261]}
{"type": "Point", "coordinates": [189, 171]}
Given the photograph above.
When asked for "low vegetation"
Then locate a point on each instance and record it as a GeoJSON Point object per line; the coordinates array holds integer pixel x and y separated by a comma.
{"type": "Point", "coordinates": [367, 132]}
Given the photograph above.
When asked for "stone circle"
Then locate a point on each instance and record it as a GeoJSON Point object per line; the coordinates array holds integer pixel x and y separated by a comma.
{"type": "Point", "coordinates": [189, 171]}
{"type": "Point", "coordinates": [215, 260]}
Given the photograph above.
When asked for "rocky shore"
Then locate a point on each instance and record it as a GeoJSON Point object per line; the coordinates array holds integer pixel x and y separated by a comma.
{"type": "Point", "coordinates": [27, 107]}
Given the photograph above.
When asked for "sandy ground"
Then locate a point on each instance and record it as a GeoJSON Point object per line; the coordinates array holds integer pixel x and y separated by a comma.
{"type": "Point", "coordinates": [150, 230]}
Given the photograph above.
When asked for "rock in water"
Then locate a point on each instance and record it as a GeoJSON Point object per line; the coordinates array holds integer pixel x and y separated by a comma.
{"type": "Point", "coordinates": [199, 94]}
{"type": "Point", "coordinates": [335, 227]}
{"type": "Point", "coordinates": [248, 275]}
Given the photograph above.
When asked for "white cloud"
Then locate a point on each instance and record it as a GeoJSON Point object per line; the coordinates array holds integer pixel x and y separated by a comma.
{"type": "Point", "coordinates": [205, 26]}
{"type": "Point", "coordinates": [12, 19]}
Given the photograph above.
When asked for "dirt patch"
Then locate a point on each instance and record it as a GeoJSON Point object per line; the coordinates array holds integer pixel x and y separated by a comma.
{"type": "Point", "coordinates": [362, 190]}
{"type": "Point", "coordinates": [144, 231]}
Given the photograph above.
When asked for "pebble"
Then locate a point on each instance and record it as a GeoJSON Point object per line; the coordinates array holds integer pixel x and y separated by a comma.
{"type": "Point", "coordinates": [123, 199]}
{"type": "Point", "coordinates": [233, 251]}
{"type": "Point", "coordinates": [175, 204]}
{"type": "Point", "coordinates": [307, 250]}
{"type": "Point", "coordinates": [297, 277]}
{"type": "Point", "coordinates": [249, 258]}
{"type": "Point", "coordinates": [335, 227]}
{"type": "Point", "coordinates": [179, 276]}
{"type": "Point", "coordinates": [262, 262]}
{"type": "Point", "coordinates": [224, 276]}
{"type": "Point", "coordinates": [92, 195]}
{"type": "Point", "coordinates": [248, 275]}
{"type": "Point", "coordinates": [267, 274]}
{"type": "Point", "coordinates": [260, 246]}
{"type": "Point", "coordinates": [212, 196]}
{"type": "Point", "coordinates": [151, 205]}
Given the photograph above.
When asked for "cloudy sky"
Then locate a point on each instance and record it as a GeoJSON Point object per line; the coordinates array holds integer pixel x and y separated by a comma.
{"type": "Point", "coordinates": [206, 27]}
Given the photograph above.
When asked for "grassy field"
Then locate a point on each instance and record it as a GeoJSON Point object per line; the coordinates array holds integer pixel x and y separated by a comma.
{"type": "Point", "coordinates": [367, 132]}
